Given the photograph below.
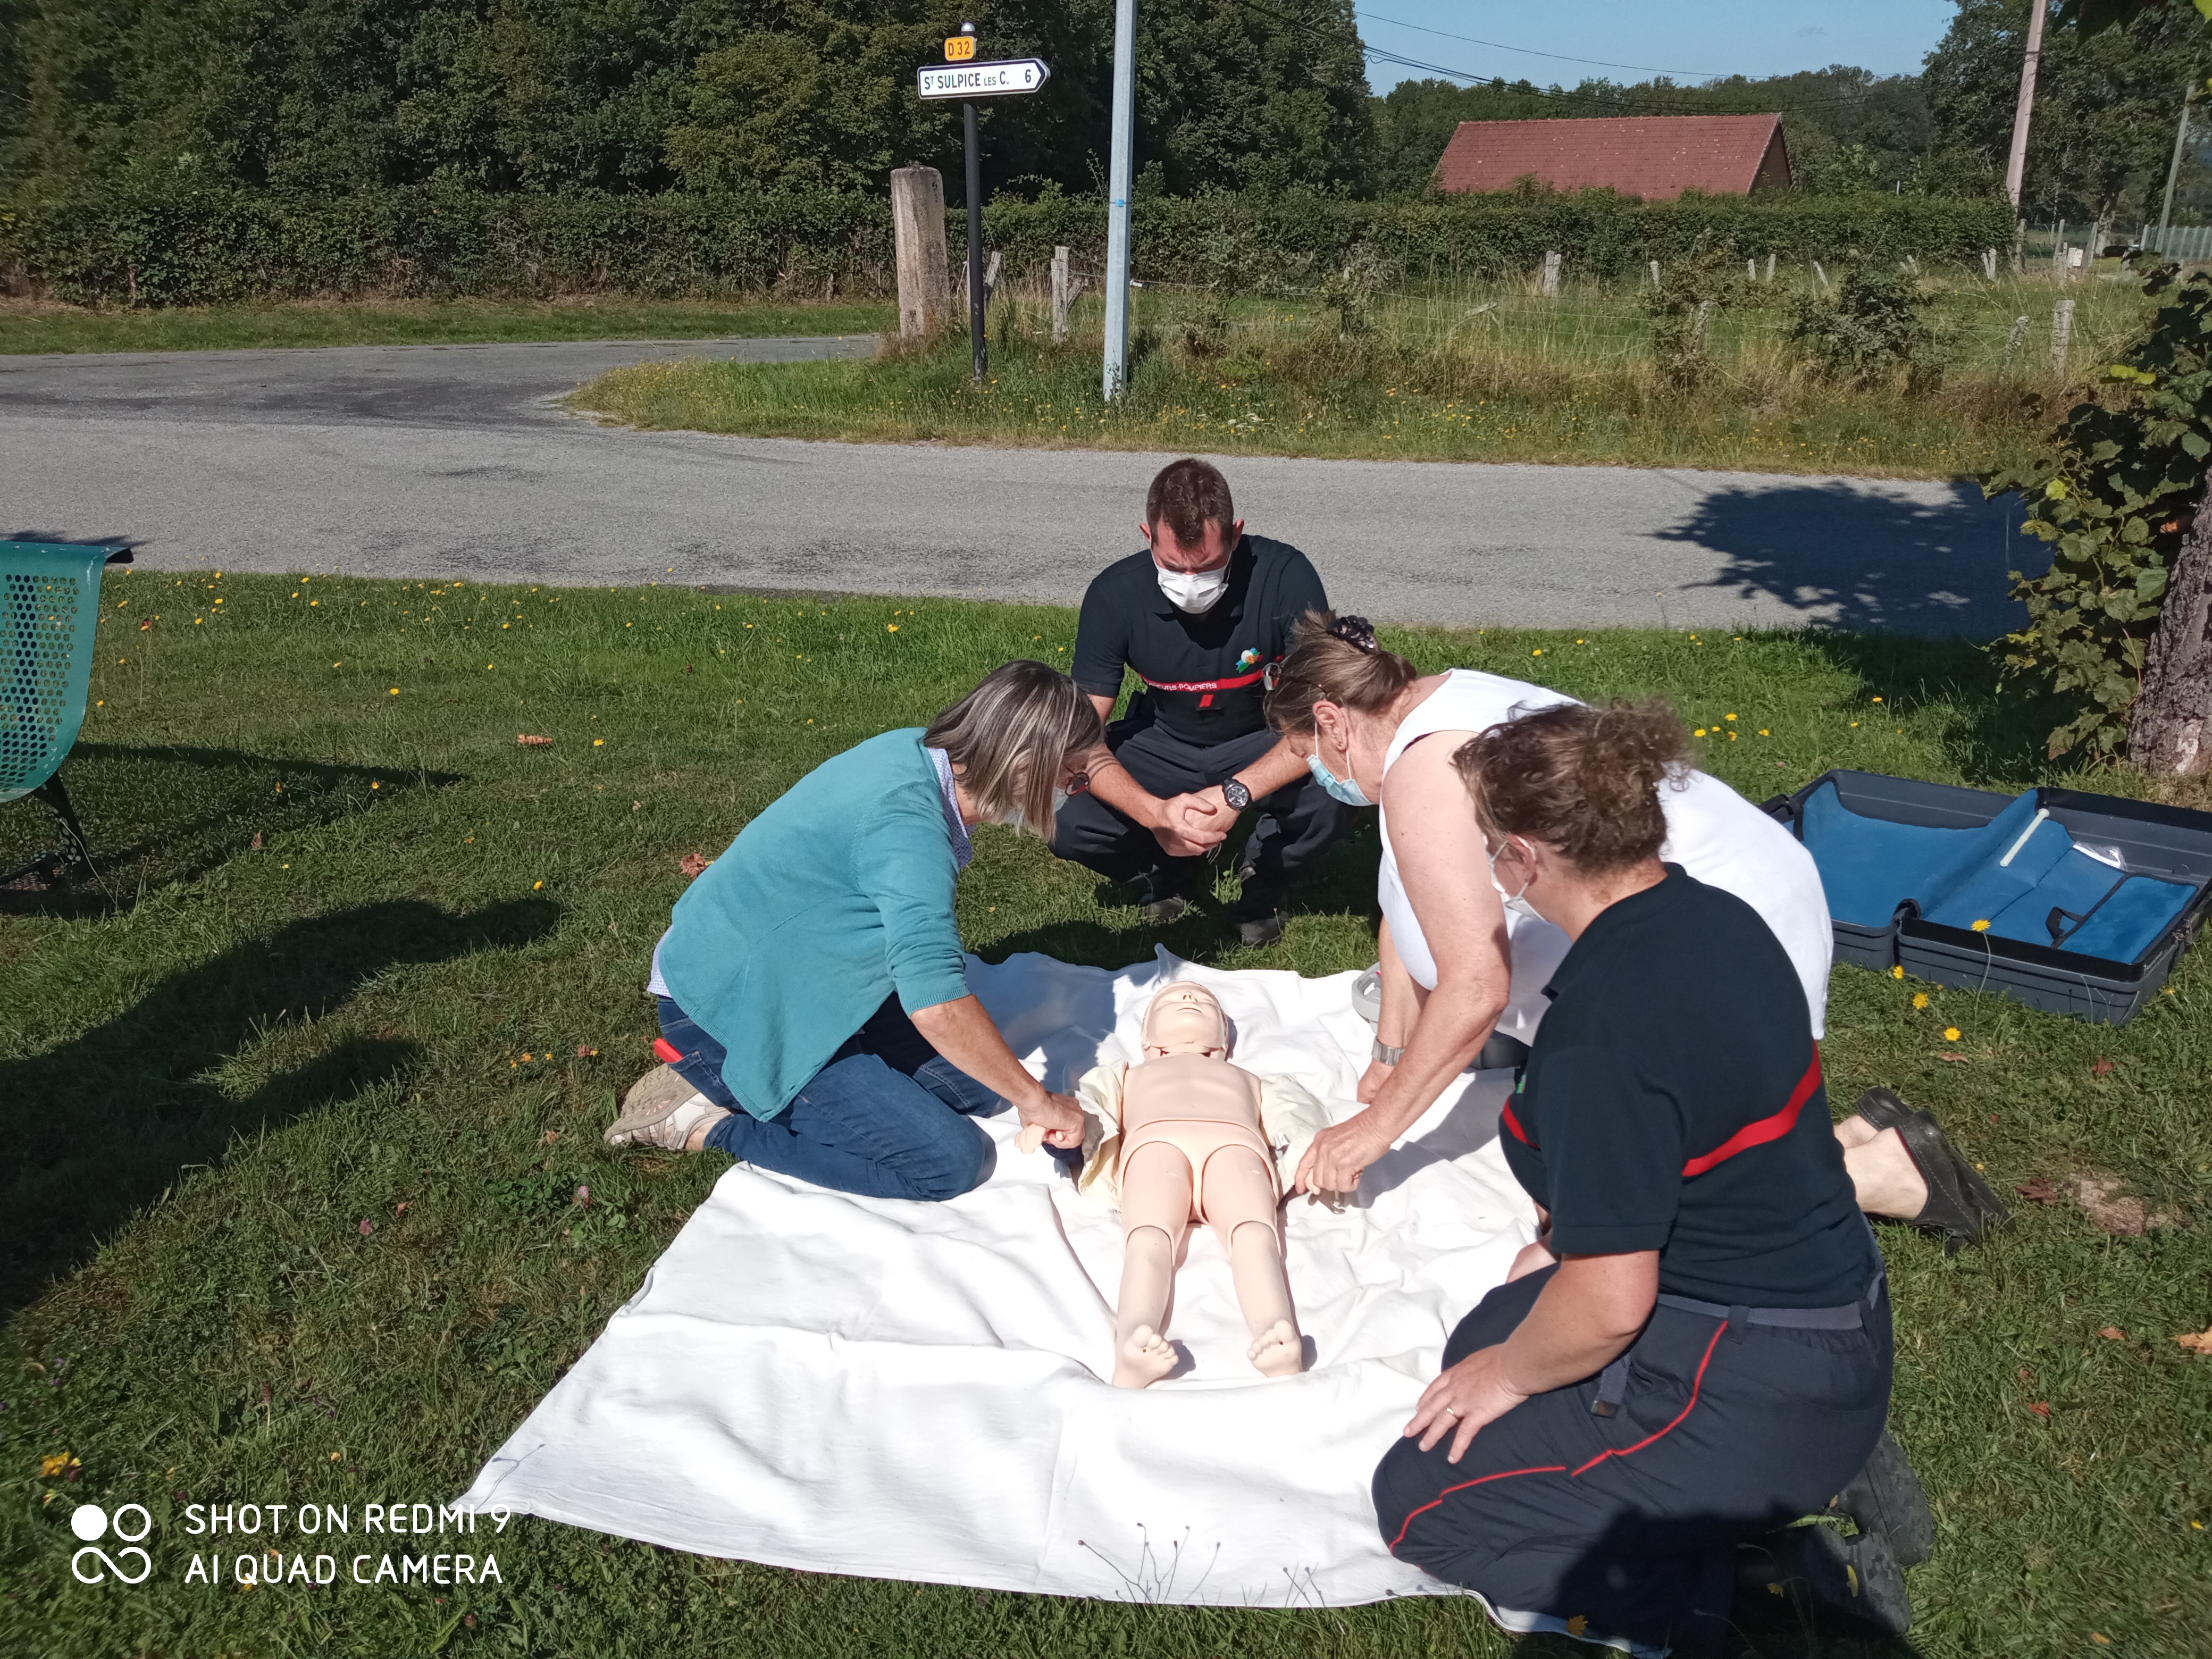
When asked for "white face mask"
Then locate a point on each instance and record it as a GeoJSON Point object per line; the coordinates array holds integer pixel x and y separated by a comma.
{"type": "Point", "coordinates": [1516, 904]}
{"type": "Point", "coordinates": [1193, 591]}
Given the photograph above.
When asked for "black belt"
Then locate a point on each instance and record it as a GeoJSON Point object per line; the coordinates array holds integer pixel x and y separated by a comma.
{"type": "Point", "coordinates": [1612, 1381]}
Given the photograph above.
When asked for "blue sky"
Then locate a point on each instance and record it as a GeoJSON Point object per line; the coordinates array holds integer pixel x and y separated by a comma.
{"type": "Point", "coordinates": [1693, 39]}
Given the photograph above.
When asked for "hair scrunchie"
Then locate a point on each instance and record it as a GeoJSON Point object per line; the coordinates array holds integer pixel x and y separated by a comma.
{"type": "Point", "coordinates": [1355, 631]}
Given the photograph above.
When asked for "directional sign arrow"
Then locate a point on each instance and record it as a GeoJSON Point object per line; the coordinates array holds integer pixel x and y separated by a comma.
{"type": "Point", "coordinates": [1010, 78]}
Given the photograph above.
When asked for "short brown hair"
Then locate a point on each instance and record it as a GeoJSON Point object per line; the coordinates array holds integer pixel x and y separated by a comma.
{"type": "Point", "coordinates": [1582, 779]}
{"type": "Point", "coordinates": [1012, 734]}
{"type": "Point", "coordinates": [1187, 495]}
{"type": "Point", "coordinates": [1334, 659]}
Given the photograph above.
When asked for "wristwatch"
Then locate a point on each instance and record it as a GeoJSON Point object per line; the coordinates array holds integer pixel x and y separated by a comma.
{"type": "Point", "coordinates": [1387, 1054]}
{"type": "Point", "coordinates": [1237, 795]}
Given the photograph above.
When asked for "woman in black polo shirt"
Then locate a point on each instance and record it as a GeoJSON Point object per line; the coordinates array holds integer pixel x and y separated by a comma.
{"type": "Point", "coordinates": [1697, 1351]}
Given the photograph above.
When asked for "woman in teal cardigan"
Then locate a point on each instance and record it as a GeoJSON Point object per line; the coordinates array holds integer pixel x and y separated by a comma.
{"type": "Point", "coordinates": [815, 1014]}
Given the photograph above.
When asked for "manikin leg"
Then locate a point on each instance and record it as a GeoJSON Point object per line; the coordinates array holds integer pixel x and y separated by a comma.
{"type": "Point", "coordinates": [1155, 1212]}
{"type": "Point", "coordinates": [1240, 1203]}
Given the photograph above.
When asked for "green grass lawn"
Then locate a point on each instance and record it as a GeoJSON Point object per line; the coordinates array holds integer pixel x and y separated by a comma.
{"type": "Point", "coordinates": [27, 327]}
{"type": "Point", "coordinates": [1486, 372]}
{"type": "Point", "coordinates": [293, 1132]}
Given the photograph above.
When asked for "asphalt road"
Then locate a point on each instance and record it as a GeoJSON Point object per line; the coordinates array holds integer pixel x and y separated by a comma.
{"type": "Point", "coordinates": [449, 460]}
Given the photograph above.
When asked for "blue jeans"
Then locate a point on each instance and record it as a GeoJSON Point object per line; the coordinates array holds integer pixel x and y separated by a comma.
{"type": "Point", "coordinates": [888, 1117]}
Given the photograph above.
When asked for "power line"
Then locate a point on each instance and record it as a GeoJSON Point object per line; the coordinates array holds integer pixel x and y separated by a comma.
{"type": "Point", "coordinates": [1530, 51]}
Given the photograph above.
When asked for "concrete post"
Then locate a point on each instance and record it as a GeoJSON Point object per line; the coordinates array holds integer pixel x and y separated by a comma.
{"type": "Point", "coordinates": [2062, 331]}
{"type": "Point", "coordinates": [917, 233]}
{"type": "Point", "coordinates": [1551, 275]}
{"type": "Point", "coordinates": [1058, 294]}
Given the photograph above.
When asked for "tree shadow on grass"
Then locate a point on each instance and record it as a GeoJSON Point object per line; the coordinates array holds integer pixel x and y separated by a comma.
{"type": "Point", "coordinates": [173, 812]}
{"type": "Point", "coordinates": [2002, 727]}
{"type": "Point", "coordinates": [1853, 556]}
{"type": "Point", "coordinates": [105, 1123]}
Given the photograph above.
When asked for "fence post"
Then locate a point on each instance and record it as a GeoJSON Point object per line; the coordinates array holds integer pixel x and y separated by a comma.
{"type": "Point", "coordinates": [1058, 294]}
{"type": "Point", "coordinates": [2062, 329]}
{"type": "Point", "coordinates": [1989, 263]}
{"type": "Point", "coordinates": [2019, 245]}
{"type": "Point", "coordinates": [1654, 276]}
{"type": "Point", "coordinates": [918, 236]}
{"type": "Point", "coordinates": [1770, 267]}
{"type": "Point", "coordinates": [1751, 270]}
{"type": "Point", "coordinates": [1551, 287]}
{"type": "Point", "coordinates": [2012, 344]}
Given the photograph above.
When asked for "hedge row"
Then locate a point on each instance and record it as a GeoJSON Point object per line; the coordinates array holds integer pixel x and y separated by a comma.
{"type": "Point", "coordinates": [186, 239]}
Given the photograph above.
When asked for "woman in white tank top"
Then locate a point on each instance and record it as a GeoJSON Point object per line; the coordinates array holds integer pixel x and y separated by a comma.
{"type": "Point", "coordinates": [1456, 965]}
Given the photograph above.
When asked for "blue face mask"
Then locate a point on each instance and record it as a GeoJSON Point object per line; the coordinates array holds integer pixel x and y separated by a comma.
{"type": "Point", "coordinates": [1348, 791]}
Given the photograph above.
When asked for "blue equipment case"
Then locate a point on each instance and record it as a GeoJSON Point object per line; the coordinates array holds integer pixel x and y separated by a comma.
{"type": "Point", "coordinates": [2074, 902]}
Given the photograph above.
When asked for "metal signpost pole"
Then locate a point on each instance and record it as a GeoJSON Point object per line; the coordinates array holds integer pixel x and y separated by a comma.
{"type": "Point", "coordinates": [1119, 154]}
{"type": "Point", "coordinates": [978, 349]}
{"type": "Point", "coordinates": [961, 76]}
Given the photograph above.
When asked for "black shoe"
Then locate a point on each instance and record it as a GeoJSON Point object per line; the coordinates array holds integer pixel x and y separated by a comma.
{"type": "Point", "coordinates": [1258, 912]}
{"type": "Point", "coordinates": [1961, 1205]}
{"type": "Point", "coordinates": [1854, 1582]}
{"type": "Point", "coordinates": [1158, 902]}
{"type": "Point", "coordinates": [1885, 1499]}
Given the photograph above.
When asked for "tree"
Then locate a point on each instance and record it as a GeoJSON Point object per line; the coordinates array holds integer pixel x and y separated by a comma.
{"type": "Point", "coordinates": [2105, 103]}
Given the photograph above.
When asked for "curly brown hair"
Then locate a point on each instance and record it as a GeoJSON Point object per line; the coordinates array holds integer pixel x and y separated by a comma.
{"type": "Point", "coordinates": [1582, 779]}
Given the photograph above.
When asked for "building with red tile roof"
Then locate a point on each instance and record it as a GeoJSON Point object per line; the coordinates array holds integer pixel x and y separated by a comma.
{"type": "Point", "coordinates": [1653, 156]}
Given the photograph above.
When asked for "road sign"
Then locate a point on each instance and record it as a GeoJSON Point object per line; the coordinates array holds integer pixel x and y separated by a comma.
{"type": "Point", "coordinates": [1002, 80]}
{"type": "Point", "coordinates": [959, 48]}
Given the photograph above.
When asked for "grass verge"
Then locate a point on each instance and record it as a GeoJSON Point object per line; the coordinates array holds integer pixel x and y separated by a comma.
{"type": "Point", "coordinates": [293, 1133]}
{"type": "Point", "coordinates": [41, 327]}
{"type": "Point", "coordinates": [1483, 373]}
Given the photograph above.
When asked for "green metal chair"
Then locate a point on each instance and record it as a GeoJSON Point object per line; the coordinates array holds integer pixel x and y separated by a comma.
{"type": "Point", "coordinates": [49, 607]}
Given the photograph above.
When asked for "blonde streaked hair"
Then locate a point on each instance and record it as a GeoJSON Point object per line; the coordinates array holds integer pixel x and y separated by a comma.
{"type": "Point", "coordinates": [1009, 738]}
{"type": "Point", "coordinates": [1333, 659]}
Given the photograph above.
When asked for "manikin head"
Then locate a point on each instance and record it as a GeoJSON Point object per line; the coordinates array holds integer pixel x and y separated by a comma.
{"type": "Point", "coordinates": [1185, 1019]}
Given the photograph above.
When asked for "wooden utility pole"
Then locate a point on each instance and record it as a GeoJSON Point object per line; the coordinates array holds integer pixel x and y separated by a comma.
{"type": "Point", "coordinates": [2017, 162]}
{"type": "Point", "coordinates": [2173, 168]}
{"type": "Point", "coordinates": [918, 236]}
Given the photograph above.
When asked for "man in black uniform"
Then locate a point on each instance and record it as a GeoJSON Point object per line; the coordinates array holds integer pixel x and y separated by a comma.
{"type": "Point", "coordinates": [1199, 618]}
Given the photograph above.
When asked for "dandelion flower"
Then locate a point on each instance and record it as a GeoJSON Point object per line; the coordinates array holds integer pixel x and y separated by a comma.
{"type": "Point", "coordinates": [1731, 717]}
{"type": "Point", "coordinates": [534, 886]}
{"type": "Point", "coordinates": [1699, 732]}
{"type": "Point", "coordinates": [1950, 1034]}
{"type": "Point", "coordinates": [1983, 925]}
{"type": "Point", "coordinates": [890, 627]}
{"type": "Point", "coordinates": [1897, 972]}
{"type": "Point", "coordinates": [598, 743]}
{"type": "Point", "coordinates": [1764, 732]}
{"type": "Point", "coordinates": [1920, 999]}
{"type": "Point", "coordinates": [395, 690]}
{"type": "Point", "coordinates": [1877, 699]}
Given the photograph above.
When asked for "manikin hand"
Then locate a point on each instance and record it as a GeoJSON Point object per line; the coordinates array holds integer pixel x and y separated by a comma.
{"type": "Point", "coordinates": [1058, 1115]}
{"type": "Point", "coordinates": [1462, 1400]}
{"type": "Point", "coordinates": [1378, 1074]}
{"type": "Point", "coordinates": [1338, 1153]}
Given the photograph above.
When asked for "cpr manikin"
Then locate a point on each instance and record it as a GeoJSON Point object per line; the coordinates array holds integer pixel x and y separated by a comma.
{"type": "Point", "coordinates": [1191, 1147]}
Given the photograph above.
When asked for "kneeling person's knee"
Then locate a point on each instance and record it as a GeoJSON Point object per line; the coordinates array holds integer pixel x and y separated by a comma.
{"type": "Point", "coordinates": [960, 1160]}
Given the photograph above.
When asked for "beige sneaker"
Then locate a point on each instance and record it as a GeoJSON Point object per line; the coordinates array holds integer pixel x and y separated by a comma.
{"type": "Point", "coordinates": [663, 1110]}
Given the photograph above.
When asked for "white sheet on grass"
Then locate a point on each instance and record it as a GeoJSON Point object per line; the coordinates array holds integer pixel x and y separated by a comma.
{"type": "Point", "coordinates": [918, 1391]}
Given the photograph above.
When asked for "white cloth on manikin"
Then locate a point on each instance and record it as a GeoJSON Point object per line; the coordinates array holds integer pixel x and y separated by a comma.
{"type": "Point", "coordinates": [1713, 833]}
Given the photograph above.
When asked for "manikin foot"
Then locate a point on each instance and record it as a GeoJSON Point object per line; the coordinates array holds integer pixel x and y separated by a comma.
{"type": "Point", "coordinates": [1145, 1358]}
{"type": "Point", "coordinates": [1279, 1351]}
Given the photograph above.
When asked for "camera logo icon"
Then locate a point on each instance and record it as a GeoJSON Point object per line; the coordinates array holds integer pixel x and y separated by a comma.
{"type": "Point", "coordinates": [92, 1524]}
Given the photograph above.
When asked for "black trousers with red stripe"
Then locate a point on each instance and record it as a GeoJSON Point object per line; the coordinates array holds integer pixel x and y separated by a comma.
{"type": "Point", "coordinates": [1630, 1521]}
